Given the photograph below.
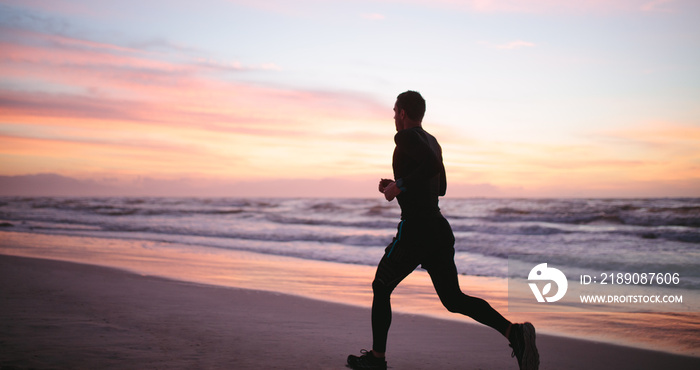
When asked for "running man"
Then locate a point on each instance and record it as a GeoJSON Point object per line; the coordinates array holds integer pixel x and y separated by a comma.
{"type": "Point", "coordinates": [424, 237]}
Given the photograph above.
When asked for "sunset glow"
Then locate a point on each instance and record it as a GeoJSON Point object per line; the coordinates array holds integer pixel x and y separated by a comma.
{"type": "Point", "coordinates": [528, 98]}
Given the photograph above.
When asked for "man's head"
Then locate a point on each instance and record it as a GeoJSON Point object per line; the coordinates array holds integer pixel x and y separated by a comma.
{"type": "Point", "coordinates": [409, 109]}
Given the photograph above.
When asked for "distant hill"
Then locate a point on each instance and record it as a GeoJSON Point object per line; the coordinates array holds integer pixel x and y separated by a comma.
{"type": "Point", "coordinates": [51, 185]}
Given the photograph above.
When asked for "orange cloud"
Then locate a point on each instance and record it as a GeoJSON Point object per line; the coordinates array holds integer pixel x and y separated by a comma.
{"type": "Point", "coordinates": [656, 159]}
{"type": "Point", "coordinates": [83, 106]}
{"type": "Point", "coordinates": [139, 81]}
{"type": "Point", "coordinates": [671, 150]}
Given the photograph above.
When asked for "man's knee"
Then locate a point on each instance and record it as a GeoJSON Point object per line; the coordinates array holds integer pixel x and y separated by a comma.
{"type": "Point", "coordinates": [379, 287]}
{"type": "Point", "coordinates": [451, 304]}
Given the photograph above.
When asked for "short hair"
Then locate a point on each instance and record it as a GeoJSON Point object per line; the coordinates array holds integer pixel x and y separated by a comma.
{"type": "Point", "coordinates": [412, 103]}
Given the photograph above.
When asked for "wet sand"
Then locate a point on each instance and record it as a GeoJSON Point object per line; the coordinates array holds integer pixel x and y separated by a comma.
{"type": "Point", "coordinates": [62, 315]}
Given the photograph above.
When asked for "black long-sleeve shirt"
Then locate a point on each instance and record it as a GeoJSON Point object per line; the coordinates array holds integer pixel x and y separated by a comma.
{"type": "Point", "coordinates": [419, 172]}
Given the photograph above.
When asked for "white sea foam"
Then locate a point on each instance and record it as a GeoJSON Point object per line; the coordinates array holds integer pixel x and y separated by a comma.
{"type": "Point", "coordinates": [593, 235]}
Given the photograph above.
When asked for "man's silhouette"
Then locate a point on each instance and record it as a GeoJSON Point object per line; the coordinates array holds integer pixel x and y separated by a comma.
{"type": "Point", "coordinates": [424, 237]}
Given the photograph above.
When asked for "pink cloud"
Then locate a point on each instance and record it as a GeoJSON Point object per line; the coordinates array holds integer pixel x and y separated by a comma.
{"type": "Point", "coordinates": [657, 6]}
{"type": "Point", "coordinates": [79, 107]}
{"type": "Point", "coordinates": [517, 44]}
{"type": "Point", "coordinates": [373, 16]}
{"type": "Point", "coordinates": [112, 82]}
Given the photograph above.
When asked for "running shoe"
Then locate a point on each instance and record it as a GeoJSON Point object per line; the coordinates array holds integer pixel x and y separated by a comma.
{"type": "Point", "coordinates": [366, 361]}
{"type": "Point", "coordinates": [524, 348]}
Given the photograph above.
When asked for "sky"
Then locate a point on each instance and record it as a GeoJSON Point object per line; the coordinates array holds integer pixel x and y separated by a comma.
{"type": "Point", "coordinates": [528, 98]}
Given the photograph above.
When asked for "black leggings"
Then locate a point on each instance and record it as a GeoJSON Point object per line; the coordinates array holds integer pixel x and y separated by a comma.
{"type": "Point", "coordinates": [429, 242]}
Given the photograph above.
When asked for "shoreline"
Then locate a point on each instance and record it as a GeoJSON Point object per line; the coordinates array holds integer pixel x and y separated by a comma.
{"type": "Point", "coordinates": [70, 315]}
{"type": "Point", "coordinates": [348, 285]}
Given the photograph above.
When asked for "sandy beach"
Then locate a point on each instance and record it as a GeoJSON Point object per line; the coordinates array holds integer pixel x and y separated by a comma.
{"type": "Point", "coordinates": [61, 315]}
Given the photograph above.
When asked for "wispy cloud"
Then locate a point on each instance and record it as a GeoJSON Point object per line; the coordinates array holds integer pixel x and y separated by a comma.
{"type": "Point", "coordinates": [555, 6]}
{"type": "Point", "coordinates": [234, 65]}
{"type": "Point", "coordinates": [256, 90]}
{"type": "Point", "coordinates": [667, 142]}
{"type": "Point", "coordinates": [373, 16]}
{"type": "Point", "coordinates": [657, 6]}
{"type": "Point", "coordinates": [517, 44]}
{"type": "Point", "coordinates": [651, 158]}
{"type": "Point", "coordinates": [130, 110]}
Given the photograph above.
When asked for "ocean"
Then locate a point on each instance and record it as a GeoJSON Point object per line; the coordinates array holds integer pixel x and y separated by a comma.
{"type": "Point", "coordinates": [593, 237]}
